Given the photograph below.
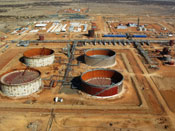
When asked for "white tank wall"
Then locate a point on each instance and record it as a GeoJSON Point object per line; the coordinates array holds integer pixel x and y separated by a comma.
{"type": "Point", "coordinates": [120, 88]}
{"type": "Point", "coordinates": [21, 90]}
{"type": "Point", "coordinates": [38, 62]}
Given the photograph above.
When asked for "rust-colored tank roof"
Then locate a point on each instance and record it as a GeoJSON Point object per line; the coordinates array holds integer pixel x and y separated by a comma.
{"type": "Point", "coordinates": [19, 76]}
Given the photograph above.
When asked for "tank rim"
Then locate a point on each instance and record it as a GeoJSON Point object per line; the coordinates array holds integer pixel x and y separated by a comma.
{"type": "Point", "coordinates": [16, 70]}
{"type": "Point", "coordinates": [44, 56]}
{"type": "Point", "coordinates": [102, 86]}
{"type": "Point", "coordinates": [85, 53]}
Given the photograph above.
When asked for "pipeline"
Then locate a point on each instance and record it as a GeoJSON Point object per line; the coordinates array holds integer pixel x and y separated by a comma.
{"type": "Point", "coordinates": [69, 64]}
{"type": "Point", "coordinates": [143, 53]}
{"type": "Point", "coordinates": [94, 40]}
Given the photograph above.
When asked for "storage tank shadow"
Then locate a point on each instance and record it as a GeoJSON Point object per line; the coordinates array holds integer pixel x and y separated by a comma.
{"type": "Point", "coordinates": [102, 82]}
{"type": "Point", "coordinates": [100, 57]}
{"type": "Point", "coordinates": [38, 57]}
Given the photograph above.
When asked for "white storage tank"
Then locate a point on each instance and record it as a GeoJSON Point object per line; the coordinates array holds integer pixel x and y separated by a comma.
{"type": "Point", "coordinates": [20, 82]}
{"type": "Point", "coordinates": [39, 57]}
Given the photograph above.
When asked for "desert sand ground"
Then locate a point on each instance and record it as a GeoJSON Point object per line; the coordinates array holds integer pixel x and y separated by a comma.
{"type": "Point", "coordinates": [147, 103]}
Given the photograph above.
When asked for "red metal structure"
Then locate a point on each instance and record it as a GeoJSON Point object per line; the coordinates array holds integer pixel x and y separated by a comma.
{"type": "Point", "coordinates": [102, 82]}
{"type": "Point", "coordinates": [41, 37]}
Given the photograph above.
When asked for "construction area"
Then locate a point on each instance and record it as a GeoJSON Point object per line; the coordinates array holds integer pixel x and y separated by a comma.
{"type": "Point", "coordinates": [94, 72]}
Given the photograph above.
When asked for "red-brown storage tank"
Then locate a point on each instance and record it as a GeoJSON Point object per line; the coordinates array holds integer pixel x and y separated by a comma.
{"type": "Point", "coordinates": [41, 37]}
{"type": "Point", "coordinates": [102, 82]}
{"type": "Point", "coordinates": [91, 33]}
{"type": "Point", "coordinates": [171, 42]}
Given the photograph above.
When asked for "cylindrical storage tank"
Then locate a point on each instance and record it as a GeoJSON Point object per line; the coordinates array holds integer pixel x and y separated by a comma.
{"type": "Point", "coordinates": [171, 42]}
{"type": "Point", "coordinates": [38, 57]}
{"type": "Point", "coordinates": [100, 57]}
{"type": "Point", "coordinates": [102, 82]}
{"type": "Point", "coordinates": [91, 33]}
{"type": "Point", "coordinates": [41, 37]}
{"type": "Point", "coordinates": [21, 82]}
